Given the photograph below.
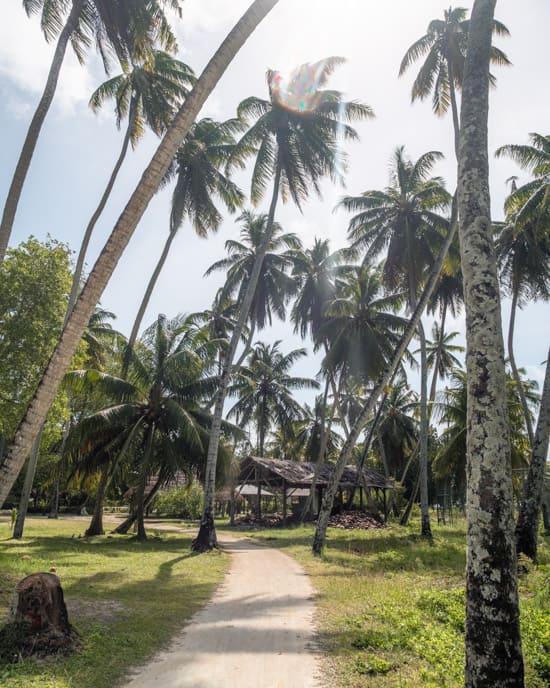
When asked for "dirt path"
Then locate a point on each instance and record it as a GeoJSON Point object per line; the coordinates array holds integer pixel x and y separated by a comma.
{"type": "Point", "coordinates": [256, 632]}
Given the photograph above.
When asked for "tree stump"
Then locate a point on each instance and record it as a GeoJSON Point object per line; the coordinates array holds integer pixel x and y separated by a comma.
{"type": "Point", "coordinates": [38, 623]}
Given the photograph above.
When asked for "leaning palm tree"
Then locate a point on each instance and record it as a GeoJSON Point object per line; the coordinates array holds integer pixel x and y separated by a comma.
{"type": "Point", "coordinates": [406, 219]}
{"type": "Point", "coordinates": [148, 96]}
{"type": "Point", "coordinates": [199, 181]}
{"type": "Point", "coordinates": [444, 48]}
{"type": "Point", "coordinates": [297, 133]}
{"type": "Point", "coordinates": [264, 389]}
{"type": "Point", "coordinates": [118, 240]}
{"type": "Point", "coordinates": [127, 30]}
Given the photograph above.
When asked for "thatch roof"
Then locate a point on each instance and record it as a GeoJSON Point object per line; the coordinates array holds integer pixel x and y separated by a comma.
{"type": "Point", "coordinates": [300, 474]}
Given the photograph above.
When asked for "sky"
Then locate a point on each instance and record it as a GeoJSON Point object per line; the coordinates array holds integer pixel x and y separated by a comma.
{"type": "Point", "coordinates": [77, 149]}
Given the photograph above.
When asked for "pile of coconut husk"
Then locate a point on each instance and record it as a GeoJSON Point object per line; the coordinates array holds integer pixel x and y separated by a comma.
{"type": "Point", "coordinates": [38, 624]}
{"type": "Point", "coordinates": [267, 521]}
{"type": "Point", "coordinates": [352, 520]}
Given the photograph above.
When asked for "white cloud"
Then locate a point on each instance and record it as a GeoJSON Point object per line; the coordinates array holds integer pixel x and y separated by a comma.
{"type": "Point", "coordinates": [25, 59]}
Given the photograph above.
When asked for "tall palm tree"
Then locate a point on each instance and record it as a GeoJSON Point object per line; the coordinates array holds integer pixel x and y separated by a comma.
{"type": "Point", "coordinates": [264, 389]}
{"type": "Point", "coordinates": [312, 439]}
{"type": "Point", "coordinates": [441, 355]}
{"type": "Point", "coordinates": [156, 419]}
{"type": "Point", "coordinates": [405, 218]}
{"type": "Point", "coordinates": [297, 133]}
{"type": "Point", "coordinates": [272, 293]}
{"type": "Point", "coordinates": [148, 95]}
{"type": "Point", "coordinates": [492, 610]}
{"type": "Point", "coordinates": [444, 48]}
{"type": "Point", "coordinates": [118, 240]}
{"type": "Point", "coordinates": [117, 27]}
{"type": "Point", "coordinates": [199, 180]}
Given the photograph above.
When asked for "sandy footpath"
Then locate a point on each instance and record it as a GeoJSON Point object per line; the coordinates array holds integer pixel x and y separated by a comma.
{"type": "Point", "coordinates": [256, 632]}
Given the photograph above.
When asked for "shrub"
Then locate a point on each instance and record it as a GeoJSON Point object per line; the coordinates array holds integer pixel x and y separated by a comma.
{"type": "Point", "coordinates": [181, 502]}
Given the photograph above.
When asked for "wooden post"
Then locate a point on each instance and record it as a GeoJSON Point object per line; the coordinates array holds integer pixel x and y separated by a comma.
{"type": "Point", "coordinates": [259, 513]}
{"type": "Point", "coordinates": [361, 497]}
{"type": "Point", "coordinates": [284, 500]}
{"type": "Point", "coordinates": [385, 506]}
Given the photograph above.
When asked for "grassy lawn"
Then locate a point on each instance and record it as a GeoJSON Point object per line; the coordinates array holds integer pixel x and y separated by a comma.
{"type": "Point", "coordinates": [126, 599]}
{"type": "Point", "coordinates": [391, 606]}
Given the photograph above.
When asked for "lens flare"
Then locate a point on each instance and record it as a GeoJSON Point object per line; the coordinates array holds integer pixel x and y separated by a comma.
{"type": "Point", "coordinates": [299, 91]}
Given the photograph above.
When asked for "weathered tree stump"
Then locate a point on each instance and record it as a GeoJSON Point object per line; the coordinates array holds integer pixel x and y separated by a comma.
{"type": "Point", "coordinates": [38, 623]}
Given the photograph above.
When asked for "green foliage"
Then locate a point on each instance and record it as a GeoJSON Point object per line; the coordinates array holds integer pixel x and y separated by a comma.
{"type": "Point", "coordinates": [181, 502]}
{"type": "Point", "coordinates": [34, 288]}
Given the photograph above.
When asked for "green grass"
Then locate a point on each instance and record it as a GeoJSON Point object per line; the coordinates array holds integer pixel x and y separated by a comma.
{"type": "Point", "coordinates": [126, 599]}
{"type": "Point", "coordinates": [391, 606]}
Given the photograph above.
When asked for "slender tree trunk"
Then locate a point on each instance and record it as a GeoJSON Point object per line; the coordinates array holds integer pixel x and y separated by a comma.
{"type": "Point", "coordinates": [96, 524]}
{"type": "Point", "coordinates": [27, 488]}
{"type": "Point", "coordinates": [141, 534]}
{"type": "Point", "coordinates": [128, 522]}
{"type": "Point", "coordinates": [527, 527]}
{"type": "Point", "coordinates": [54, 507]}
{"type": "Point", "coordinates": [329, 492]}
{"type": "Point", "coordinates": [515, 371]}
{"type": "Point", "coordinates": [438, 355]}
{"type": "Point", "coordinates": [493, 643]}
{"type": "Point", "coordinates": [206, 539]}
{"type": "Point", "coordinates": [25, 157]}
{"type": "Point", "coordinates": [404, 520]}
{"type": "Point", "coordinates": [424, 428]}
{"type": "Point", "coordinates": [121, 234]}
{"type": "Point", "coordinates": [145, 301]}
{"type": "Point", "coordinates": [454, 106]}
{"type": "Point", "coordinates": [247, 346]}
{"type": "Point", "coordinates": [77, 276]}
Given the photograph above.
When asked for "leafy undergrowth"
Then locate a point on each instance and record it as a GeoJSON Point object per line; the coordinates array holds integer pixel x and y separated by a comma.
{"type": "Point", "coordinates": [126, 599]}
{"type": "Point", "coordinates": [391, 606]}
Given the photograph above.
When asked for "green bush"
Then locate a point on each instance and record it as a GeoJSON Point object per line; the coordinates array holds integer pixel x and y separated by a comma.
{"type": "Point", "coordinates": [181, 502]}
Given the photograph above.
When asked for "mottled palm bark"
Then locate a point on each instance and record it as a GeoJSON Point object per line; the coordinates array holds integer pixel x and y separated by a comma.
{"type": "Point", "coordinates": [493, 643]}
{"type": "Point", "coordinates": [379, 389]}
{"type": "Point", "coordinates": [23, 164]}
{"type": "Point", "coordinates": [117, 242]}
{"type": "Point", "coordinates": [527, 527]}
{"type": "Point", "coordinates": [206, 539]}
{"type": "Point", "coordinates": [515, 371]}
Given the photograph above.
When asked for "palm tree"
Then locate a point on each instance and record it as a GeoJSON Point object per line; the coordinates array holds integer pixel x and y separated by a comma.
{"type": "Point", "coordinates": [276, 286]}
{"type": "Point", "coordinates": [444, 48]}
{"type": "Point", "coordinates": [264, 389]}
{"type": "Point", "coordinates": [117, 241]}
{"type": "Point", "coordinates": [148, 95]}
{"type": "Point", "coordinates": [127, 30]}
{"type": "Point", "coordinates": [312, 439]}
{"type": "Point", "coordinates": [156, 419]}
{"type": "Point", "coordinates": [531, 201]}
{"type": "Point", "coordinates": [196, 168]}
{"type": "Point", "coordinates": [405, 218]}
{"type": "Point", "coordinates": [361, 326]}
{"type": "Point", "coordinates": [492, 611]}
{"type": "Point", "coordinates": [441, 355]}
{"type": "Point", "coordinates": [297, 134]}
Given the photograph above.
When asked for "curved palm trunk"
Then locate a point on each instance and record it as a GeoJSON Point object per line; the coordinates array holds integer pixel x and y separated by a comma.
{"type": "Point", "coordinates": [77, 276]}
{"type": "Point", "coordinates": [206, 538]}
{"type": "Point", "coordinates": [330, 491]}
{"type": "Point", "coordinates": [515, 371]}
{"type": "Point", "coordinates": [141, 534]}
{"type": "Point", "coordinates": [424, 497]}
{"type": "Point", "coordinates": [117, 242]}
{"type": "Point", "coordinates": [527, 527]}
{"type": "Point", "coordinates": [96, 524]}
{"type": "Point", "coordinates": [145, 301]}
{"type": "Point", "coordinates": [493, 643]}
{"type": "Point", "coordinates": [128, 522]}
{"type": "Point", "coordinates": [454, 106]}
{"type": "Point", "coordinates": [437, 361]}
{"type": "Point", "coordinates": [25, 157]}
{"type": "Point", "coordinates": [27, 488]}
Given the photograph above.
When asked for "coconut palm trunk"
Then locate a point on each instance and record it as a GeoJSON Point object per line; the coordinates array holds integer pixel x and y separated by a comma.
{"type": "Point", "coordinates": [515, 372]}
{"type": "Point", "coordinates": [79, 267]}
{"type": "Point", "coordinates": [27, 489]}
{"type": "Point", "coordinates": [527, 527]}
{"type": "Point", "coordinates": [96, 524]}
{"type": "Point", "coordinates": [383, 382]}
{"type": "Point", "coordinates": [206, 538]}
{"type": "Point", "coordinates": [145, 301]}
{"type": "Point", "coordinates": [117, 242]}
{"type": "Point", "coordinates": [493, 643]}
{"type": "Point", "coordinates": [25, 157]}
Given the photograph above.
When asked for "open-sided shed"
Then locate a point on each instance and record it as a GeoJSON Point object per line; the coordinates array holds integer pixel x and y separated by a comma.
{"type": "Point", "coordinates": [285, 477]}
